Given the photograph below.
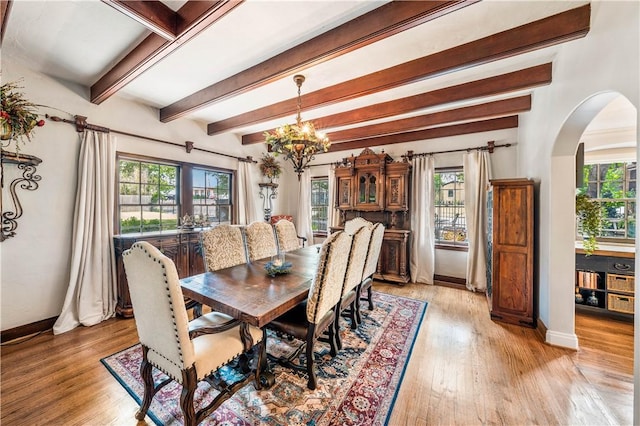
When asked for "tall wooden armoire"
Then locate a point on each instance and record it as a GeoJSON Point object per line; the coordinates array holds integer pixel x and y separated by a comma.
{"type": "Point", "coordinates": [510, 252]}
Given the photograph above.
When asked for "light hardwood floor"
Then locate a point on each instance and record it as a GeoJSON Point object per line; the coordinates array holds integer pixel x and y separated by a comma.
{"type": "Point", "coordinates": [464, 370]}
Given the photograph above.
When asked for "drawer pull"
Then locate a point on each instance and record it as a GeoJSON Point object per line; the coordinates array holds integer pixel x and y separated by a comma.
{"type": "Point", "coordinates": [621, 266]}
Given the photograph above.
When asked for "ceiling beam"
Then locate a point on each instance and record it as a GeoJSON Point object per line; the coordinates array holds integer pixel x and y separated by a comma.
{"type": "Point", "coordinates": [486, 110]}
{"type": "Point", "coordinates": [192, 18]}
{"type": "Point", "coordinates": [510, 122]}
{"type": "Point", "coordinates": [5, 10]}
{"type": "Point", "coordinates": [380, 23]}
{"type": "Point", "coordinates": [546, 32]}
{"type": "Point", "coordinates": [518, 80]}
{"type": "Point", "coordinates": [154, 15]}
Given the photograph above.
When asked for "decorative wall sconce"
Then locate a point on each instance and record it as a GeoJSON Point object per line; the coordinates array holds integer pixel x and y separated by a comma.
{"type": "Point", "coordinates": [268, 191]}
{"type": "Point", "coordinates": [28, 181]}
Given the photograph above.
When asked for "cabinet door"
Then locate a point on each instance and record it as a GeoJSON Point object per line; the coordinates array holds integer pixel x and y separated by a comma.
{"type": "Point", "coordinates": [196, 261]}
{"type": "Point", "coordinates": [396, 197]}
{"type": "Point", "coordinates": [369, 190]}
{"type": "Point", "coordinates": [344, 189]}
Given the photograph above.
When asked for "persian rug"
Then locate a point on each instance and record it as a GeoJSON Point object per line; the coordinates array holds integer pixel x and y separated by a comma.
{"type": "Point", "coordinates": [357, 387]}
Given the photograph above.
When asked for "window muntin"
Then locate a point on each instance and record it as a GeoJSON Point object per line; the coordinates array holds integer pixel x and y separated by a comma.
{"type": "Point", "coordinates": [450, 218]}
{"type": "Point", "coordinates": [148, 196]}
{"type": "Point", "coordinates": [319, 204]}
{"type": "Point", "coordinates": [211, 195]}
{"type": "Point", "coordinates": [613, 186]}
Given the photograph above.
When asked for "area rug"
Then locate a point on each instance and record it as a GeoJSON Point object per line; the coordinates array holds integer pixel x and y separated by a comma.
{"type": "Point", "coordinates": [357, 387]}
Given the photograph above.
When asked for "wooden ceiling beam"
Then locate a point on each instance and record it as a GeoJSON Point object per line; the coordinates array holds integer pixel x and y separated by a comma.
{"type": "Point", "coordinates": [510, 122]}
{"type": "Point", "coordinates": [546, 32]}
{"type": "Point", "coordinates": [5, 10]}
{"type": "Point", "coordinates": [527, 78]}
{"type": "Point", "coordinates": [154, 15]}
{"type": "Point", "coordinates": [192, 18]}
{"type": "Point", "coordinates": [474, 112]}
{"type": "Point", "coordinates": [380, 23]}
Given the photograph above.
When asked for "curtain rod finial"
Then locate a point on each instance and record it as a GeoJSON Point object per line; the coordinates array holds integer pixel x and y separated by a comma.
{"type": "Point", "coordinates": [188, 145]}
{"type": "Point", "coordinates": [491, 146]}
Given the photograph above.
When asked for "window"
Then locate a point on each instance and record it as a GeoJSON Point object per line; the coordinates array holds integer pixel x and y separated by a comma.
{"type": "Point", "coordinates": [451, 224]}
{"type": "Point", "coordinates": [613, 185]}
{"type": "Point", "coordinates": [148, 196]}
{"type": "Point", "coordinates": [151, 196]}
{"type": "Point", "coordinates": [212, 195]}
{"type": "Point", "coordinates": [319, 204]}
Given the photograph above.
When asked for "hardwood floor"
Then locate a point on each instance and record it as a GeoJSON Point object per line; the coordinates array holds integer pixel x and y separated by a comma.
{"type": "Point", "coordinates": [465, 369]}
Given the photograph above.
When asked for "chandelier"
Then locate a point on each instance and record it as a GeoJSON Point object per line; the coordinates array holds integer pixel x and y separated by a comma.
{"type": "Point", "coordinates": [297, 142]}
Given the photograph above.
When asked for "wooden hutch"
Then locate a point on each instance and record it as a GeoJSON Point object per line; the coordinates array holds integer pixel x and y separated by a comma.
{"type": "Point", "coordinates": [377, 188]}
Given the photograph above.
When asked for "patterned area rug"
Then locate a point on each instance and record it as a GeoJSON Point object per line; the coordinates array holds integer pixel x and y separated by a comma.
{"type": "Point", "coordinates": [357, 387]}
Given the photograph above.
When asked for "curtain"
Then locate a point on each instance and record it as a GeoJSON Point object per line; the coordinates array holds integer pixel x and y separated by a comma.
{"type": "Point", "coordinates": [333, 214]}
{"type": "Point", "coordinates": [91, 295]}
{"type": "Point", "coordinates": [422, 260]}
{"type": "Point", "coordinates": [303, 216]}
{"type": "Point", "coordinates": [246, 205]}
{"type": "Point", "coordinates": [477, 172]}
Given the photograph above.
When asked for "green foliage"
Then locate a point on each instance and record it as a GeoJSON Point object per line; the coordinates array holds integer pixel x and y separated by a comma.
{"type": "Point", "coordinates": [133, 224]}
{"type": "Point", "coordinates": [17, 114]}
{"type": "Point", "coordinates": [589, 213]}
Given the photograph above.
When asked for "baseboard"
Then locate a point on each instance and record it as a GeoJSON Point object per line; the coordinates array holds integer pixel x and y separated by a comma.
{"type": "Point", "coordinates": [447, 281]}
{"type": "Point", "coordinates": [565, 340]}
{"type": "Point", "coordinates": [27, 329]}
{"type": "Point", "coordinates": [541, 329]}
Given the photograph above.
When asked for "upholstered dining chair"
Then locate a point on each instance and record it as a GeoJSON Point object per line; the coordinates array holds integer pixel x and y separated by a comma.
{"type": "Point", "coordinates": [352, 225]}
{"type": "Point", "coordinates": [261, 242]}
{"type": "Point", "coordinates": [288, 238]}
{"type": "Point", "coordinates": [350, 298]}
{"type": "Point", "coordinates": [370, 266]}
{"type": "Point", "coordinates": [187, 352]}
{"type": "Point", "coordinates": [223, 247]}
{"type": "Point", "coordinates": [310, 319]}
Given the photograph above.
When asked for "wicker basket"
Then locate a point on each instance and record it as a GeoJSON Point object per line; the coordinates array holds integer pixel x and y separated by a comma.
{"type": "Point", "coordinates": [620, 283]}
{"type": "Point", "coordinates": [620, 303]}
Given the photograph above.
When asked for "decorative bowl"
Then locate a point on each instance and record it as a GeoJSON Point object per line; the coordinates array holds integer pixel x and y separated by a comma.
{"type": "Point", "coordinates": [274, 269]}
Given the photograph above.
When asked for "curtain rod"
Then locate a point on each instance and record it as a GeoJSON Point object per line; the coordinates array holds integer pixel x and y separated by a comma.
{"type": "Point", "coordinates": [81, 125]}
{"type": "Point", "coordinates": [491, 145]}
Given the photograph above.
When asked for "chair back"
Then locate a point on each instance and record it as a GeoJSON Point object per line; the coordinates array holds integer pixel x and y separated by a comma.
{"type": "Point", "coordinates": [375, 245]}
{"type": "Point", "coordinates": [287, 236]}
{"type": "Point", "coordinates": [326, 289]}
{"type": "Point", "coordinates": [223, 247]}
{"type": "Point", "coordinates": [261, 242]}
{"type": "Point", "coordinates": [351, 226]}
{"type": "Point", "coordinates": [160, 315]}
{"type": "Point", "coordinates": [357, 259]}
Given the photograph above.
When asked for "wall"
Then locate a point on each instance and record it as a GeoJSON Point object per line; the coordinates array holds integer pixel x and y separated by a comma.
{"type": "Point", "coordinates": [34, 264]}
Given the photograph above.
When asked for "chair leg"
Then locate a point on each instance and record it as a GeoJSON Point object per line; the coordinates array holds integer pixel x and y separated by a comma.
{"type": "Point", "coordinates": [370, 298]}
{"type": "Point", "coordinates": [189, 385]}
{"type": "Point", "coordinates": [312, 382]}
{"type": "Point", "coordinates": [356, 306]}
{"type": "Point", "coordinates": [353, 314]}
{"type": "Point", "coordinates": [336, 331]}
{"type": "Point", "coordinates": [146, 370]}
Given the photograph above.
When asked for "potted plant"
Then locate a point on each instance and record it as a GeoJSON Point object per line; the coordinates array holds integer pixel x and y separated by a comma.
{"type": "Point", "coordinates": [590, 215]}
{"type": "Point", "coordinates": [18, 116]}
{"type": "Point", "coordinates": [269, 167]}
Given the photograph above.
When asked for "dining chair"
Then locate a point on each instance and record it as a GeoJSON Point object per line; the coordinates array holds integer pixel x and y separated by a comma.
{"type": "Point", "coordinates": [350, 296]}
{"type": "Point", "coordinates": [223, 247]}
{"type": "Point", "coordinates": [186, 351]}
{"type": "Point", "coordinates": [352, 225]}
{"type": "Point", "coordinates": [370, 266]}
{"type": "Point", "coordinates": [288, 238]}
{"type": "Point", "coordinates": [309, 320]}
{"type": "Point", "coordinates": [260, 240]}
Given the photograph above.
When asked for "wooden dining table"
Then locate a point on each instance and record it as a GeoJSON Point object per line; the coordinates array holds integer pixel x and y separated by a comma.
{"type": "Point", "coordinates": [247, 293]}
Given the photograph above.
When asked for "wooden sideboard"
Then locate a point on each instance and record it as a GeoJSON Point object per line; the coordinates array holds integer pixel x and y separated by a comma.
{"type": "Point", "coordinates": [180, 246]}
{"type": "Point", "coordinates": [375, 187]}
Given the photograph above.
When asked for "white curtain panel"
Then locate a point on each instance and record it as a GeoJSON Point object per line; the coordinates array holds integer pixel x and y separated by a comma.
{"type": "Point", "coordinates": [477, 172]}
{"type": "Point", "coordinates": [91, 295]}
{"type": "Point", "coordinates": [422, 262]}
{"type": "Point", "coordinates": [333, 214]}
{"type": "Point", "coordinates": [247, 211]}
{"type": "Point", "coordinates": [303, 216]}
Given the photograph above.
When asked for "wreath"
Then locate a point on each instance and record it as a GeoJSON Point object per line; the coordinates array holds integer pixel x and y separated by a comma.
{"type": "Point", "coordinates": [270, 167]}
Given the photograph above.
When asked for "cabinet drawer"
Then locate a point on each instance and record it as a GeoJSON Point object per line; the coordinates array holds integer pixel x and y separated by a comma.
{"type": "Point", "coordinates": [620, 265]}
{"type": "Point", "coordinates": [591, 263]}
{"type": "Point", "coordinates": [620, 283]}
{"type": "Point", "coordinates": [620, 303]}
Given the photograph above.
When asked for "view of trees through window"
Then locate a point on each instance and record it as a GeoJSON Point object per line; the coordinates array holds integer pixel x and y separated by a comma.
{"type": "Point", "coordinates": [451, 222]}
{"type": "Point", "coordinates": [211, 195]}
{"type": "Point", "coordinates": [613, 186]}
{"type": "Point", "coordinates": [148, 196]}
{"type": "Point", "coordinates": [319, 204]}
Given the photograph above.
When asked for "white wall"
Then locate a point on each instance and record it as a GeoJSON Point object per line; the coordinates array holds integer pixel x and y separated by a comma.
{"type": "Point", "coordinates": [34, 264]}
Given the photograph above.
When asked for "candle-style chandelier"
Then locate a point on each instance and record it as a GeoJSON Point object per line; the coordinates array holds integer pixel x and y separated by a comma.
{"type": "Point", "coordinates": [297, 142]}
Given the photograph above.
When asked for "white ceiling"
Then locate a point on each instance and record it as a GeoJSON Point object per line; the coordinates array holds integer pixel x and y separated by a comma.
{"type": "Point", "coordinates": [79, 41]}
